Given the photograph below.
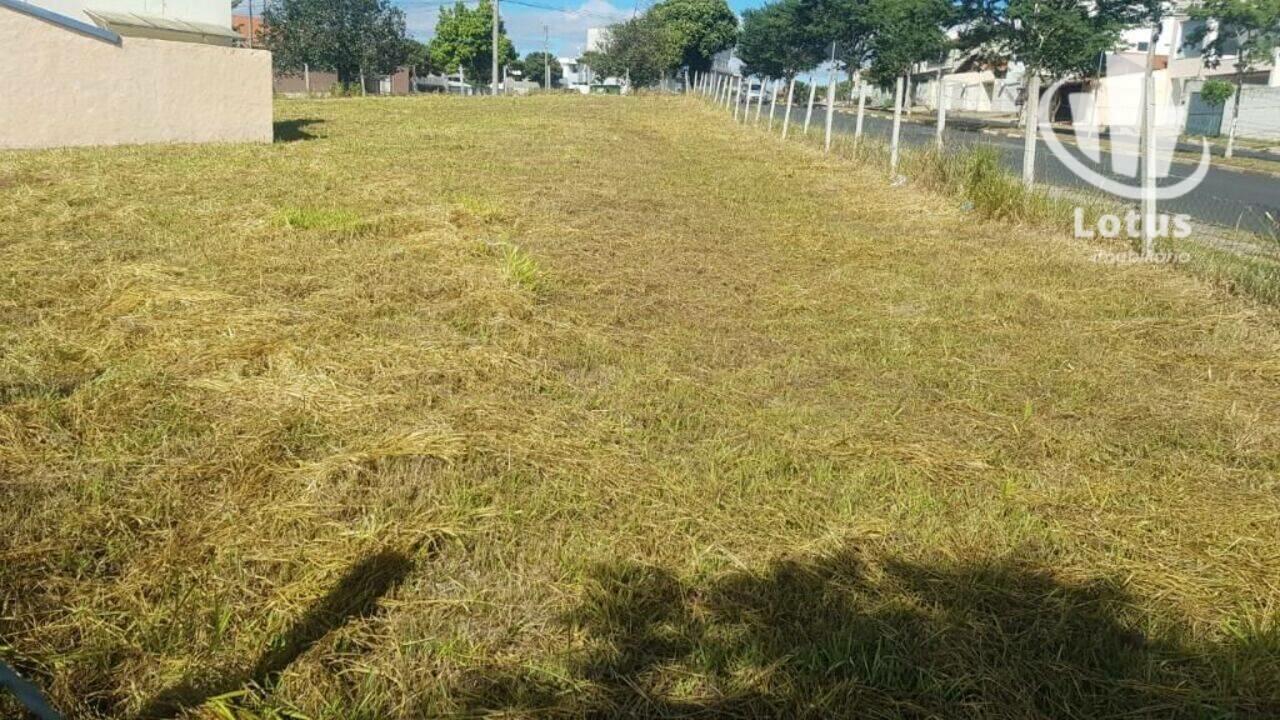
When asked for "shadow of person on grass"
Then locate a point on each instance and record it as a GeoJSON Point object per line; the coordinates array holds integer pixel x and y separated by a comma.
{"type": "Point", "coordinates": [287, 131]}
{"type": "Point", "coordinates": [839, 635]}
{"type": "Point", "coordinates": [353, 597]}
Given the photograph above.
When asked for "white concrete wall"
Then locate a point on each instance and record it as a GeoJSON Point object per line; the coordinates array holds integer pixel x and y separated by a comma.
{"type": "Point", "coordinates": [1259, 113]}
{"type": "Point", "coordinates": [215, 12]}
{"type": "Point", "coordinates": [62, 88]}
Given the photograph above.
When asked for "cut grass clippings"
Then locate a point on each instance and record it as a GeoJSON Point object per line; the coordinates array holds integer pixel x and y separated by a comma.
{"type": "Point", "coordinates": [442, 410]}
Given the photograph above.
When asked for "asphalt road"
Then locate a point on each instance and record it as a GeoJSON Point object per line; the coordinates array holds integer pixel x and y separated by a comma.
{"type": "Point", "coordinates": [1227, 197]}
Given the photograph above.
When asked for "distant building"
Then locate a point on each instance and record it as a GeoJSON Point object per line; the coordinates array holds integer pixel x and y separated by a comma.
{"type": "Point", "coordinates": [579, 76]}
{"type": "Point", "coordinates": [108, 72]}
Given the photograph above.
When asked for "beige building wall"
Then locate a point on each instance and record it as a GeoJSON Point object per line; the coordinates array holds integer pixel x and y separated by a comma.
{"type": "Point", "coordinates": [62, 88]}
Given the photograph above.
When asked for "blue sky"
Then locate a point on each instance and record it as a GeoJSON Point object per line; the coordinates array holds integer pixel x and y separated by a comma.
{"type": "Point", "coordinates": [567, 24]}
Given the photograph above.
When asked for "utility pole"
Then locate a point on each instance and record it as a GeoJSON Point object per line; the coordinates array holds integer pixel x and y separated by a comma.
{"type": "Point", "coordinates": [813, 88]}
{"type": "Point", "coordinates": [546, 58]}
{"type": "Point", "coordinates": [250, 24]}
{"type": "Point", "coordinates": [1149, 147]}
{"type": "Point", "coordinates": [494, 65]}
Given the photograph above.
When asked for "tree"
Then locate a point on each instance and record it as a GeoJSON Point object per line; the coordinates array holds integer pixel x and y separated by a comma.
{"type": "Point", "coordinates": [535, 65]}
{"type": "Point", "coordinates": [698, 29]}
{"type": "Point", "coordinates": [1216, 92]}
{"type": "Point", "coordinates": [1057, 38]}
{"type": "Point", "coordinates": [417, 56]}
{"type": "Point", "coordinates": [844, 22]}
{"type": "Point", "coordinates": [642, 49]}
{"type": "Point", "coordinates": [464, 39]}
{"type": "Point", "coordinates": [349, 37]}
{"type": "Point", "coordinates": [776, 41]}
{"type": "Point", "coordinates": [905, 32]}
{"type": "Point", "coordinates": [1247, 29]}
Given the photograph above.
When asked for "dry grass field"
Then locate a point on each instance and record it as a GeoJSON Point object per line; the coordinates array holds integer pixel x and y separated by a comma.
{"type": "Point", "coordinates": [567, 406]}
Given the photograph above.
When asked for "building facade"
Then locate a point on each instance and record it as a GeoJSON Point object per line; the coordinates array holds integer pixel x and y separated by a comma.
{"type": "Point", "coordinates": [110, 72]}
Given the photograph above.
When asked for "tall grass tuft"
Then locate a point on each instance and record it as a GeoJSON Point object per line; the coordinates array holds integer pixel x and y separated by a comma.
{"type": "Point", "coordinates": [520, 268]}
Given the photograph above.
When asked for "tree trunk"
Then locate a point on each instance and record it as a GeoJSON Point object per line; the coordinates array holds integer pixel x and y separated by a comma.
{"type": "Point", "coordinates": [1235, 116]}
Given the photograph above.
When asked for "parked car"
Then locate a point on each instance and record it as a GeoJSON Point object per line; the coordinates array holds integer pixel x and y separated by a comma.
{"type": "Point", "coordinates": [753, 93]}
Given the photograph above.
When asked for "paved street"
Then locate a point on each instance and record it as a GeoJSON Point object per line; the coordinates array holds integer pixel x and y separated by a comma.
{"type": "Point", "coordinates": [1227, 197]}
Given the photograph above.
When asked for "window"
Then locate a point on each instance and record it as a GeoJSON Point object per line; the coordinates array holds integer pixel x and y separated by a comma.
{"type": "Point", "coordinates": [1190, 48]}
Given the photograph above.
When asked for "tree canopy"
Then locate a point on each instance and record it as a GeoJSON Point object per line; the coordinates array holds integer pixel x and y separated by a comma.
{"type": "Point", "coordinates": [1056, 37]}
{"type": "Point", "coordinates": [464, 39]}
{"type": "Point", "coordinates": [345, 36]}
{"type": "Point", "coordinates": [642, 48]}
{"type": "Point", "coordinates": [1247, 29]}
{"type": "Point", "coordinates": [905, 32]}
{"type": "Point", "coordinates": [535, 65]}
{"type": "Point", "coordinates": [777, 40]}
{"type": "Point", "coordinates": [698, 29]}
{"type": "Point", "coordinates": [671, 34]}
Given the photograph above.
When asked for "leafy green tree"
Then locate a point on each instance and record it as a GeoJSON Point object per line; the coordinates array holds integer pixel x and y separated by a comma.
{"type": "Point", "coordinates": [905, 32]}
{"type": "Point", "coordinates": [642, 49]}
{"type": "Point", "coordinates": [844, 22]}
{"type": "Point", "coordinates": [1217, 92]}
{"type": "Point", "coordinates": [417, 56]}
{"type": "Point", "coordinates": [778, 41]}
{"type": "Point", "coordinates": [349, 37]}
{"type": "Point", "coordinates": [698, 29]}
{"type": "Point", "coordinates": [464, 39]}
{"type": "Point", "coordinates": [1249, 30]}
{"type": "Point", "coordinates": [1057, 38]}
{"type": "Point", "coordinates": [535, 65]}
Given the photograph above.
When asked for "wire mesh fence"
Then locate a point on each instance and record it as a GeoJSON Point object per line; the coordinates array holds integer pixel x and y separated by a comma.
{"type": "Point", "coordinates": [1225, 198]}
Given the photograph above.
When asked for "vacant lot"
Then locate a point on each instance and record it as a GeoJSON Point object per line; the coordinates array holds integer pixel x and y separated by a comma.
{"type": "Point", "coordinates": [606, 406]}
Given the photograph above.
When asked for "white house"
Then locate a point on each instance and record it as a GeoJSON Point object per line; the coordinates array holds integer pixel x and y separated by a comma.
{"type": "Point", "coordinates": [579, 76]}
{"type": "Point", "coordinates": [108, 72]}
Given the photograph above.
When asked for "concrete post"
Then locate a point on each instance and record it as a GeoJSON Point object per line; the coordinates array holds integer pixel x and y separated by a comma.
{"type": "Point", "coordinates": [897, 128]}
{"type": "Point", "coordinates": [786, 116]}
{"type": "Point", "coordinates": [773, 103]}
{"type": "Point", "coordinates": [809, 112]}
{"type": "Point", "coordinates": [1032, 128]}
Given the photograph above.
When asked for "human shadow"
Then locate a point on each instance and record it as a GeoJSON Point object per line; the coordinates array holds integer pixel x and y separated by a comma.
{"type": "Point", "coordinates": [286, 131]}
{"type": "Point", "coordinates": [842, 635]}
{"type": "Point", "coordinates": [354, 596]}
